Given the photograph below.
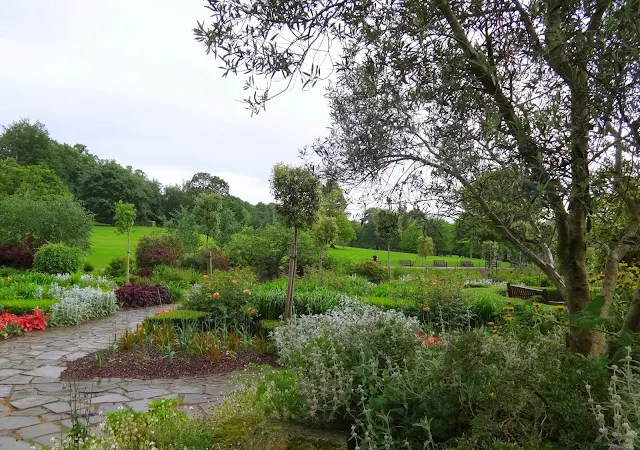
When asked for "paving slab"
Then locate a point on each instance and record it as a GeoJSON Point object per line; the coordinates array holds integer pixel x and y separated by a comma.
{"type": "Point", "coordinates": [10, 443]}
{"type": "Point", "coordinates": [41, 429]}
{"type": "Point", "coordinates": [30, 402]}
{"type": "Point", "coordinates": [15, 422]}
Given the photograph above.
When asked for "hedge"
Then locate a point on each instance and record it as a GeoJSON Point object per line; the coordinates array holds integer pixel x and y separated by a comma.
{"type": "Point", "coordinates": [20, 307]}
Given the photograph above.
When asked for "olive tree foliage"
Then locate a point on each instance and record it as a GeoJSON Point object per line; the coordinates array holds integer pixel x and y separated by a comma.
{"type": "Point", "coordinates": [438, 92]}
{"type": "Point", "coordinates": [296, 191]}
{"type": "Point", "coordinates": [125, 217]}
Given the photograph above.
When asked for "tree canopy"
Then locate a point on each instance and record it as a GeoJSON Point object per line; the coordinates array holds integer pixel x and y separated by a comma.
{"type": "Point", "coordinates": [434, 94]}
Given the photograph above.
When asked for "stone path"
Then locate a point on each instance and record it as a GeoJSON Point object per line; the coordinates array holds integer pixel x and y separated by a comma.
{"type": "Point", "coordinates": [34, 403]}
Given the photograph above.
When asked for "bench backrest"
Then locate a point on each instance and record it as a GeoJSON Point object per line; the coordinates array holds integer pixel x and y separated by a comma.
{"type": "Point", "coordinates": [466, 263]}
{"type": "Point", "coordinates": [405, 262]}
{"type": "Point", "coordinates": [439, 263]}
{"type": "Point", "coordinates": [522, 292]}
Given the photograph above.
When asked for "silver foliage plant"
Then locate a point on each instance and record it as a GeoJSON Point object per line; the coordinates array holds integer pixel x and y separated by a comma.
{"type": "Point", "coordinates": [79, 305]}
{"type": "Point", "coordinates": [336, 353]}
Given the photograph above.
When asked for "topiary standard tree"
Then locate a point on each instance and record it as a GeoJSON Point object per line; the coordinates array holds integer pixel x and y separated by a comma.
{"type": "Point", "coordinates": [124, 219]}
{"type": "Point", "coordinates": [297, 194]}
{"type": "Point", "coordinates": [208, 210]}
{"type": "Point", "coordinates": [325, 233]}
{"type": "Point", "coordinates": [490, 253]}
{"type": "Point", "coordinates": [387, 224]}
{"type": "Point", "coordinates": [425, 248]}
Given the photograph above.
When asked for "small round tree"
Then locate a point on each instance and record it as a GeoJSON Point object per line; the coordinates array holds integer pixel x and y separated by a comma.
{"type": "Point", "coordinates": [297, 194]}
{"type": "Point", "coordinates": [325, 233]}
{"type": "Point", "coordinates": [490, 253]}
{"type": "Point", "coordinates": [208, 211]}
{"type": "Point", "coordinates": [425, 248]}
{"type": "Point", "coordinates": [125, 218]}
{"type": "Point", "coordinates": [387, 224]}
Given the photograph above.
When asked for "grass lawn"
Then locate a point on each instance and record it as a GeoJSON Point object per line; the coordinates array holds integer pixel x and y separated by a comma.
{"type": "Point", "coordinates": [107, 244]}
{"type": "Point", "coordinates": [359, 254]}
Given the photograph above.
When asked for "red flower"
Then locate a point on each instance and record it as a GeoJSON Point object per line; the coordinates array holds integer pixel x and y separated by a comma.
{"type": "Point", "coordinates": [428, 341]}
{"type": "Point", "coordinates": [28, 322]}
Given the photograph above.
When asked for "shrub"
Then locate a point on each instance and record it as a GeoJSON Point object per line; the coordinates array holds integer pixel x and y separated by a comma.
{"type": "Point", "coordinates": [117, 267]}
{"type": "Point", "coordinates": [79, 305]}
{"type": "Point", "coordinates": [47, 220]}
{"type": "Point", "coordinates": [19, 307]}
{"type": "Point", "coordinates": [141, 295]}
{"type": "Point", "coordinates": [364, 366]}
{"type": "Point", "coordinates": [145, 272]}
{"type": "Point", "coordinates": [179, 318]}
{"type": "Point", "coordinates": [173, 275]}
{"type": "Point", "coordinates": [337, 354]}
{"type": "Point", "coordinates": [263, 249]}
{"type": "Point", "coordinates": [88, 267]}
{"type": "Point", "coordinates": [227, 295]}
{"type": "Point", "coordinates": [266, 327]}
{"type": "Point", "coordinates": [371, 270]}
{"type": "Point", "coordinates": [16, 256]}
{"type": "Point", "coordinates": [155, 249]}
{"type": "Point", "coordinates": [199, 262]}
{"type": "Point", "coordinates": [57, 258]}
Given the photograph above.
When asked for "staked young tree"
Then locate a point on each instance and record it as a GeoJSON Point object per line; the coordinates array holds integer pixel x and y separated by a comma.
{"type": "Point", "coordinates": [208, 212]}
{"type": "Point", "coordinates": [325, 233]}
{"type": "Point", "coordinates": [297, 196]}
{"type": "Point", "coordinates": [124, 219]}
{"type": "Point", "coordinates": [425, 248]}
{"type": "Point", "coordinates": [387, 225]}
{"type": "Point", "coordinates": [439, 92]}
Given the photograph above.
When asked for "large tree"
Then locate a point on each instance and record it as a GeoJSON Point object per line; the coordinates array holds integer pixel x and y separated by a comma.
{"type": "Point", "coordinates": [446, 91]}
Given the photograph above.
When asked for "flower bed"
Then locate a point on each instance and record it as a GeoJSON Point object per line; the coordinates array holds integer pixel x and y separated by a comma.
{"type": "Point", "coordinates": [11, 324]}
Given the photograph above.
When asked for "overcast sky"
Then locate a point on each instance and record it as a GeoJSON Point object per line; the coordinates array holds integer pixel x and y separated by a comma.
{"type": "Point", "coordinates": [127, 79]}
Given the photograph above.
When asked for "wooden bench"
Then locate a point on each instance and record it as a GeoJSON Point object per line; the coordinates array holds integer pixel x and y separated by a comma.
{"type": "Point", "coordinates": [405, 263]}
{"type": "Point", "coordinates": [526, 293]}
{"type": "Point", "coordinates": [439, 263]}
{"type": "Point", "coordinates": [466, 263]}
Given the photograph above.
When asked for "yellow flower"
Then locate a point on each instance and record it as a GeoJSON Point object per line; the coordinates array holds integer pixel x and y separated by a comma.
{"type": "Point", "coordinates": [234, 281]}
{"type": "Point", "coordinates": [508, 308]}
{"type": "Point", "coordinates": [490, 323]}
{"type": "Point", "coordinates": [494, 336]}
{"type": "Point", "coordinates": [205, 276]}
{"type": "Point", "coordinates": [560, 306]}
{"type": "Point", "coordinates": [246, 292]}
{"type": "Point", "coordinates": [251, 311]}
{"type": "Point", "coordinates": [536, 305]}
{"type": "Point", "coordinates": [508, 318]}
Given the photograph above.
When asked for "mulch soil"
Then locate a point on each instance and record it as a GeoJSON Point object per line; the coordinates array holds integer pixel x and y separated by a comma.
{"type": "Point", "coordinates": [152, 365]}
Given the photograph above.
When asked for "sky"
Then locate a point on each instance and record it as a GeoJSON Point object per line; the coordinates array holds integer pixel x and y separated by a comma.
{"type": "Point", "coordinates": [127, 79]}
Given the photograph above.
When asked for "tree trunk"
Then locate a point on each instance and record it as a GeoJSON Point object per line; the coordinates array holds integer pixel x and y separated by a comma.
{"type": "Point", "coordinates": [389, 258]}
{"type": "Point", "coordinates": [321, 257]}
{"type": "Point", "coordinates": [128, 256]}
{"type": "Point", "coordinates": [632, 320]}
{"type": "Point", "coordinates": [209, 259]}
{"type": "Point", "coordinates": [293, 256]}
